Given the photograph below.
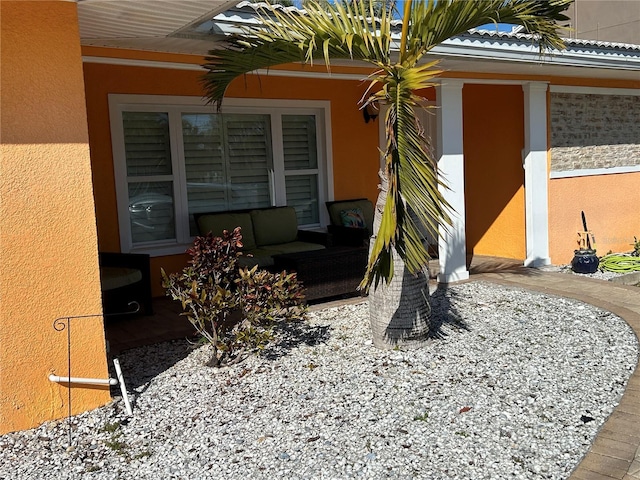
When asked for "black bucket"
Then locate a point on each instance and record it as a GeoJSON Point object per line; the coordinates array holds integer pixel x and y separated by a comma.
{"type": "Point", "coordinates": [585, 261]}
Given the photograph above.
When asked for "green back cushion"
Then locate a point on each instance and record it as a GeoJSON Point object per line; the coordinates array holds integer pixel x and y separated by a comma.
{"type": "Point", "coordinates": [364, 205]}
{"type": "Point", "coordinates": [217, 222]}
{"type": "Point", "coordinates": [275, 225]}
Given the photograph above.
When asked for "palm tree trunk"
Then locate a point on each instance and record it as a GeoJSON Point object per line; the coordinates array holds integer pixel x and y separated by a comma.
{"type": "Point", "coordinates": [400, 311]}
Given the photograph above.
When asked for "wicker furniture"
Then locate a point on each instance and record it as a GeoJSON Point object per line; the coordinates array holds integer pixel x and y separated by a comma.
{"type": "Point", "coordinates": [265, 232]}
{"type": "Point", "coordinates": [350, 235]}
{"type": "Point", "coordinates": [326, 273]}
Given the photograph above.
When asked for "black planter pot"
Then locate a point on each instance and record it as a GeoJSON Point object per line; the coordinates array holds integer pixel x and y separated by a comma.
{"type": "Point", "coordinates": [585, 261]}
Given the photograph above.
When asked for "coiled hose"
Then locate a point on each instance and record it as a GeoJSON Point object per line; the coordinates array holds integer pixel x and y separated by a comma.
{"type": "Point", "coordinates": [619, 263]}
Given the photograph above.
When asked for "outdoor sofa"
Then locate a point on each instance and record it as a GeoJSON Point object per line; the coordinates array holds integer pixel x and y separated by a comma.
{"type": "Point", "coordinates": [266, 233]}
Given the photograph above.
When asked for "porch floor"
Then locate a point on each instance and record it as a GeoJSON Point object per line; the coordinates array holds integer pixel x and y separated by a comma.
{"type": "Point", "coordinates": [123, 333]}
{"type": "Point", "coordinates": [167, 324]}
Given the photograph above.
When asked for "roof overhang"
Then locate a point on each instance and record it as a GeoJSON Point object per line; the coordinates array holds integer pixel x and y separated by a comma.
{"type": "Point", "coordinates": [151, 25]}
{"type": "Point", "coordinates": [197, 26]}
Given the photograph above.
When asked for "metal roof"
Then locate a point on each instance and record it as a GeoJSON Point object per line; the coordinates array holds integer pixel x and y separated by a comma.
{"type": "Point", "coordinates": [197, 26]}
{"type": "Point", "coordinates": [568, 41]}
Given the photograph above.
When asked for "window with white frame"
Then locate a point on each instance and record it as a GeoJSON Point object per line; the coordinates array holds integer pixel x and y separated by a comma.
{"type": "Point", "coordinates": [174, 156]}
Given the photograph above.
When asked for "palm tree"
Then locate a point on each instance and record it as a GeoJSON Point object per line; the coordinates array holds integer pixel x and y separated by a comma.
{"type": "Point", "coordinates": [410, 198]}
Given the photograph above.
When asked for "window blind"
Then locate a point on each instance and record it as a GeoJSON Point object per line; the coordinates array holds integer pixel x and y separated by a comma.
{"type": "Point", "coordinates": [147, 144]}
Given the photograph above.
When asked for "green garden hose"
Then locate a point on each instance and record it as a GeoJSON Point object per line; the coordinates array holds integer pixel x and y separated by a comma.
{"type": "Point", "coordinates": [619, 263]}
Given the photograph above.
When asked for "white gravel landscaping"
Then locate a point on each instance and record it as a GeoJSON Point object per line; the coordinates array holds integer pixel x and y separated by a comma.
{"type": "Point", "coordinates": [513, 385]}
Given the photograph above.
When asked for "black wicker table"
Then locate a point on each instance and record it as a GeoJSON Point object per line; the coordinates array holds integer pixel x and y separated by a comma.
{"type": "Point", "coordinates": [326, 273]}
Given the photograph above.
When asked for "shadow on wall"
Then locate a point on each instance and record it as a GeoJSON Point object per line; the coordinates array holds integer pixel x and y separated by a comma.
{"type": "Point", "coordinates": [494, 177]}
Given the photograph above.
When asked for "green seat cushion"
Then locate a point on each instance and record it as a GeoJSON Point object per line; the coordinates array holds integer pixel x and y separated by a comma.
{"type": "Point", "coordinates": [273, 226]}
{"type": "Point", "coordinates": [365, 206]}
{"type": "Point", "coordinates": [217, 222]}
{"type": "Point", "coordinates": [292, 247]}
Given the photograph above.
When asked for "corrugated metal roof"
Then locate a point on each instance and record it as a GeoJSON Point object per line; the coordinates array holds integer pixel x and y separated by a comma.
{"type": "Point", "coordinates": [568, 41]}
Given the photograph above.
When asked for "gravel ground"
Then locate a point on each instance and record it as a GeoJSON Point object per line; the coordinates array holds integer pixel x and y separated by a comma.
{"type": "Point", "coordinates": [600, 275]}
{"type": "Point", "coordinates": [512, 385]}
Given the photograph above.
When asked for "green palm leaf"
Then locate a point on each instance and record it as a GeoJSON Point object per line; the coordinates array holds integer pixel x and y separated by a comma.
{"type": "Point", "coordinates": [345, 30]}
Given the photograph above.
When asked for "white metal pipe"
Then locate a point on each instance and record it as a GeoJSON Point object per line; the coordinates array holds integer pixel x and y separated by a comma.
{"type": "Point", "coordinates": [86, 381]}
{"type": "Point", "coordinates": [123, 388]}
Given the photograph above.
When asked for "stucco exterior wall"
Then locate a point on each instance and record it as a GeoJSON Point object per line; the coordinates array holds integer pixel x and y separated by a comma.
{"type": "Point", "coordinates": [355, 154]}
{"type": "Point", "coordinates": [47, 222]}
{"type": "Point", "coordinates": [591, 131]}
{"type": "Point", "coordinates": [610, 203]}
{"type": "Point", "coordinates": [494, 178]}
{"type": "Point", "coordinates": [493, 141]}
{"type": "Point", "coordinates": [605, 20]}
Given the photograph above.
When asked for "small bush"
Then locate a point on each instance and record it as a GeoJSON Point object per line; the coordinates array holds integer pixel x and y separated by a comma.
{"type": "Point", "coordinates": [636, 247]}
{"type": "Point", "coordinates": [232, 308]}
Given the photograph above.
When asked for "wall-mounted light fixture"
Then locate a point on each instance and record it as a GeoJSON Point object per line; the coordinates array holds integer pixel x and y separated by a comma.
{"type": "Point", "coordinates": [370, 111]}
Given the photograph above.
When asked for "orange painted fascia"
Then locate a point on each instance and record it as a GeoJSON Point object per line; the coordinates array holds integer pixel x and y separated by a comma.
{"type": "Point", "coordinates": [552, 80]}
{"type": "Point", "coordinates": [595, 82]}
{"type": "Point", "coordinates": [319, 67]}
{"type": "Point", "coordinates": [143, 55]}
{"type": "Point", "coordinates": [130, 54]}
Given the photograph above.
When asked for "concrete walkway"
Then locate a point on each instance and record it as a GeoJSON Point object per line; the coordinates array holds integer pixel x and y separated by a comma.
{"type": "Point", "coordinates": [615, 453]}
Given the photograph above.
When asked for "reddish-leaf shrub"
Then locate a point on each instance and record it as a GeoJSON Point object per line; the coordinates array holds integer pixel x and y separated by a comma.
{"type": "Point", "coordinates": [232, 308]}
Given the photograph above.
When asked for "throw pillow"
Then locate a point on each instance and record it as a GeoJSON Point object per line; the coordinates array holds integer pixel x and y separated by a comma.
{"type": "Point", "coordinates": [353, 218]}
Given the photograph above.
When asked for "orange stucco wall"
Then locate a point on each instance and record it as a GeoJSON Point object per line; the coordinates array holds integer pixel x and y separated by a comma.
{"type": "Point", "coordinates": [494, 192]}
{"type": "Point", "coordinates": [47, 221]}
{"type": "Point", "coordinates": [610, 204]}
{"type": "Point", "coordinates": [355, 155]}
{"type": "Point", "coordinates": [493, 137]}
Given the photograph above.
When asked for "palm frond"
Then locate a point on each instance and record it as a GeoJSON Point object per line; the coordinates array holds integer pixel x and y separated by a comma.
{"type": "Point", "coordinates": [347, 29]}
{"type": "Point", "coordinates": [334, 31]}
{"type": "Point", "coordinates": [434, 21]}
{"type": "Point", "coordinates": [414, 202]}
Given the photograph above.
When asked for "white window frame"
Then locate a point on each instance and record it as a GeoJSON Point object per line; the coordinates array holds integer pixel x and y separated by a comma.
{"type": "Point", "coordinates": [175, 106]}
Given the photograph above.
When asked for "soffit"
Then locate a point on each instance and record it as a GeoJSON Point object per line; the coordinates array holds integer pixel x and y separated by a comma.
{"type": "Point", "coordinates": [197, 26]}
{"type": "Point", "coordinates": [155, 25]}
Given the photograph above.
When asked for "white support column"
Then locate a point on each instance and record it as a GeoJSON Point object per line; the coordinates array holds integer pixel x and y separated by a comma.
{"type": "Point", "coordinates": [452, 242]}
{"type": "Point", "coordinates": [536, 176]}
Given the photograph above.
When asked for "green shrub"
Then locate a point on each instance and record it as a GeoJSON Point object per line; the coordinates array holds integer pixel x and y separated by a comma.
{"type": "Point", "coordinates": [232, 308]}
{"type": "Point", "coordinates": [636, 247]}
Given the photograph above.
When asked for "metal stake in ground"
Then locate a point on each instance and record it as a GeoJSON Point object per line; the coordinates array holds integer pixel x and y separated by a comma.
{"type": "Point", "coordinates": [586, 230]}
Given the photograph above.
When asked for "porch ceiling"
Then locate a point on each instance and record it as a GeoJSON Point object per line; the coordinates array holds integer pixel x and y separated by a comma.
{"type": "Point", "coordinates": [155, 25]}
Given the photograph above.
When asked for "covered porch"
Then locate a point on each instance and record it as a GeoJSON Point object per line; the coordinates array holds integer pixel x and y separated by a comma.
{"type": "Point", "coordinates": [166, 323]}
{"type": "Point", "coordinates": [74, 71]}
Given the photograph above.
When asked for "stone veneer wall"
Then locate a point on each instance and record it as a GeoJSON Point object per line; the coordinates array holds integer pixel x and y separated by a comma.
{"type": "Point", "coordinates": [594, 131]}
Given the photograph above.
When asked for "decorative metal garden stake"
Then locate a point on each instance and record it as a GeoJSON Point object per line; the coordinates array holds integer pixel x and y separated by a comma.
{"type": "Point", "coordinates": [585, 259]}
